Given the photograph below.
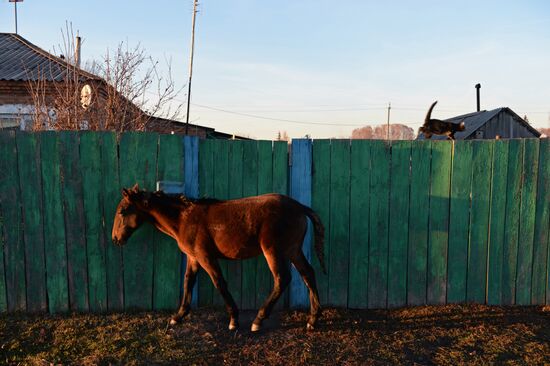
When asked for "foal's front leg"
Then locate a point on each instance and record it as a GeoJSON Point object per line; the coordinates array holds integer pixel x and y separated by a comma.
{"type": "Point", "coordinates": [188, 283]}
{"type": "Point", "coordinates": [212, 267]}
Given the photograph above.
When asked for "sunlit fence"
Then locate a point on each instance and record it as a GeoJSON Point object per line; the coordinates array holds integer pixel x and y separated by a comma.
{"type": "Point", "coordinates": [407, 223]}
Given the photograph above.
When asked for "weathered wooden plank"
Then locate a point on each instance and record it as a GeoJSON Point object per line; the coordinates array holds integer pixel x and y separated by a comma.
{"type": "Point", "coordinates": [418, 222]}
{"type": "Point", "coordinates": [167, 262]}
{"type": "Point", "coordinates": [234, 267]}
{"type": "Point", "coordinates": [439, 222]}
{"type": "Point", "coordinates": [497, 222]}
{"type": "Point", "coordinates": [221, 191]}
{"type": "Point", "coordinates": [280, 185]}
{"type": "Point", "coordinates": [3, 295]}
{"type": "Point", "coordinates": [14, 246]}
{"type": "Point", "coordinates": [360, 161]}
{"type": "Point", "coordinates": [511, 230]}
{"type": "Point", "coordinates": [250, 188]}
{"type": "Point", "coordinates": [75, 227]}
{"type": "Point", "coordinates": [300, 190]}
{"type": "Point", "coordinates": [527, 221]}
{"type": "Point", "coordinates": [339, 223]}
{"type": "Point", "coordinates": [206, 188]}
{"type": "Point", "coordinates": [191, 179]}
{"type": "Point", "coordinates": [479, 221]}
{"type": "Point", "coordinates": [379, 224]}
{"type": "Point", "coordinates": [54, 225]}
{"type": "Point", "coordinates": [138, 163]}
{"type": "Point", "coordinates": [459, 221]}
{"type": "Point", "coordinates": [542, 226]}
{"type": "Point", "coordinates": [90, 160]}
{"type": "Point", "coordinates": [111, 195]}
{"type": "Point", "coordinates": [320, 202]}
{"type": "Point", "coordinates": [265, 185]}
{"type": "Point", "coordinates": [28, 148]}
{"type": "Point", "coordinates": [399, 223]}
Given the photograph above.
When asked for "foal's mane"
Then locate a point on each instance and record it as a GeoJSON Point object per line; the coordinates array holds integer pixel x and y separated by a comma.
{"type": "Point", "coordinates": [180, 199]}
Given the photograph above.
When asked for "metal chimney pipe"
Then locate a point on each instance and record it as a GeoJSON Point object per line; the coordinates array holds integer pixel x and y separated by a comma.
{"type": "Point", "coordinates": [77, 51]}
{"type": "Point", "coordinates": [478, 86]}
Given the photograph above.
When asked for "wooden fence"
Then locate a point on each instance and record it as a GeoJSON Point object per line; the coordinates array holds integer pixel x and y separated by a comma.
{"type": "Point", "coordinates": [422, 222]}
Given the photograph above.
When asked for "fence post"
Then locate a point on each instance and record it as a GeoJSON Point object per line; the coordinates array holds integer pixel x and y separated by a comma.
{"type": "Point", "coordinates": [300, 190]}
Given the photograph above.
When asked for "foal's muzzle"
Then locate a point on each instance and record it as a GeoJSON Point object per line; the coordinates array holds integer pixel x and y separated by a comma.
{"type": "Point", "coordinates": [119, 242]}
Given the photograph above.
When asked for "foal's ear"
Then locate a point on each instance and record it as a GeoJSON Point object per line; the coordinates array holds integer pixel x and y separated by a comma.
{"type": "Point", "coordinates": [135, 188]}
{"type": "Point", "coordinates": [125, 193]}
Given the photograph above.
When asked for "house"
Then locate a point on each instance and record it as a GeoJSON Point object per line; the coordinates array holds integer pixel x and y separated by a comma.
{"type": "Point", "coordinates": [497, 123]}
{"type": "Point", "coordinates": [25, 67]}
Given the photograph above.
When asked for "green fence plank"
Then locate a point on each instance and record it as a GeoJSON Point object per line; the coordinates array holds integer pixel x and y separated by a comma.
{"type": "Point", "coordinates": [206, 189]}
{"type": "Point", "coordinates": [250, 188]}
{"type": "Point", "coordinates": [234, 267]}
{"type": "Point", "coordinates": [54, 225]}
{"type": "Point", "coordinates": [90, 160]}
{"type": "Point", "coordinates": [359, 225]}
{"type": "Point", "coordinates": [497, 222]}
{"type": "Point", "coordinates": [479, 221]}
{"type": "Point", "coordinates": [3, 294]}
{"type": "Point", "coordinates": [399, 223]}
{"type": "Point", "coordinates": [542, 225]}
{"type": "Point", "coordinates": [320, 202]}
{"type": "Point", "coordinates": [111, 195]}
{"type": "Point", "coordinates": [439, 222]}
{"type": "Point", "coordinates": [418, 222]}
{"type": "Point", "coordinates": [75, 227]}
{"type": "Point", "coordinates": [280, 185]}
{"type": "Point", "coordinates": [265, 185]}
{"type": "Point", "coordinates": [28, 148]}
{"type": "Point", "coordinates": [138, 163]}
{"type": "Point", "coordinates": [527, 222]}
{"type": "Point", "coordinates": [511, 228]}
{"type": "Point", "coordinates": [221, 191]}
{"type": "Point", "coordinates": [167, 262]}
{"type": "Point", "coordinates": [12, 233]}
{"type": "Point", "coordinates": [379, 224]}
{"type": "Point", "coordinates": [339, 223]}
{"type": "Point", "coordinates": [461, 183]}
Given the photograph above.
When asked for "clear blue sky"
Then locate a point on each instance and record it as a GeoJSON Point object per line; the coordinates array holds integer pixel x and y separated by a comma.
{"type": "Point", "coordinates": [317, 61]}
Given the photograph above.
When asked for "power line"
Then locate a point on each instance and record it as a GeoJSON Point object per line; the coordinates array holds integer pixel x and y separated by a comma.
{"type": "Point", "coordinates": [278, 119]}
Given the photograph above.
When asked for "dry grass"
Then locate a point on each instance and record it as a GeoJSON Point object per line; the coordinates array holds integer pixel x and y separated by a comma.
{"type": "Point", "coordinates": [444, 335]}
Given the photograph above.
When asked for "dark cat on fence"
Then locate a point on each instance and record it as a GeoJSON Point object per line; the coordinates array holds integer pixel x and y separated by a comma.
{"type": "Point", "coordinates": [438, 127]}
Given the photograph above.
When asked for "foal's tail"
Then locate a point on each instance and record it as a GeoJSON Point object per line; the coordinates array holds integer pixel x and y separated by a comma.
{"type": "Point", "coordinates": [319, 233]}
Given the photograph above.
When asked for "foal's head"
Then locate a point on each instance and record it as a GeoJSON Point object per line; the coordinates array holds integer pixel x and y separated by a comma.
{"type": "Point", "coordinates": [130, 214]}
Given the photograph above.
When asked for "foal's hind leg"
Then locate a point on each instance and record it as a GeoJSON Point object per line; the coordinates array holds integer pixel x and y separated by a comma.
{"type": "Point", "coordinates": [188, 284]}
{"type": "Point", "coordinates": [212, 267]}
{"type": "Point", "coordinates": [308, 275]}
{"type": "Point", "coordinates": [281, 278]}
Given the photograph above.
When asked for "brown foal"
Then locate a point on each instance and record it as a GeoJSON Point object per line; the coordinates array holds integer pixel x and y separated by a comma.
{"type": "Point", "coordinates": [209, 229]}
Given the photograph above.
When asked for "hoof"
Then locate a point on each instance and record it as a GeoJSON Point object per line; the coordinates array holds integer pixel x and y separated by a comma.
{"type": "Point", "coordinates": [310, 327]}
{"type": "Point", "coordinates": [255, 327]}
{"type": "Point", "coordinates": [173, 321]}
{"type": "Point", "coordinates": [233, 325]}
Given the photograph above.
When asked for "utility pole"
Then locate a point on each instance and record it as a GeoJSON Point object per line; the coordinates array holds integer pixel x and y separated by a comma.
{"type": "Point", "coordinates": [388, 129]}
{"type": "Point", "coordinates": [195, 3]}
{"type": "Point", "coordinates": [15, 11]}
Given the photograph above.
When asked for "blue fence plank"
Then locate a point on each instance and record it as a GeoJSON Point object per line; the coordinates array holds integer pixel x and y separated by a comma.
{"type": "Point", "coordinates": [191, 189]}
{"type": "Point", "coordinates": [300, 190]}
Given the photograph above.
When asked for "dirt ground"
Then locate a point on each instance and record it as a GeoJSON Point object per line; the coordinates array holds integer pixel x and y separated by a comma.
{"type": "Point", "coordinates": [442, 335]}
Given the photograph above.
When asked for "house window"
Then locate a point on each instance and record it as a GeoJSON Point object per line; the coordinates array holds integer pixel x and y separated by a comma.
{"type": "Point", "coordinates": [9, 122]}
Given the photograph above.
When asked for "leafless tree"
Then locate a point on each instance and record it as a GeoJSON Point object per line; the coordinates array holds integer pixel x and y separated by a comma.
{"type": "Point", "coordinates": [121, 92]}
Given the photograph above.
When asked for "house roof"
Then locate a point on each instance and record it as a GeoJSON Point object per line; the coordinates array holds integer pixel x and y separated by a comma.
{"type": "Point", "coordinates": [20, 60]}
{"type": "Point", "coordinates": [474, 121]}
